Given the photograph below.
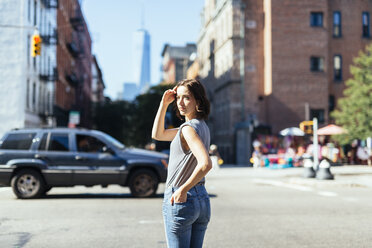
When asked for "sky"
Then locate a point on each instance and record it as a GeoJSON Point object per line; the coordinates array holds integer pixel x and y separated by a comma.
{"type": "Point", "coordinates": [112, 23]}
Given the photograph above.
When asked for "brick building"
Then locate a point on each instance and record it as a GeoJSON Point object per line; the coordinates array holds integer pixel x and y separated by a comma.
{"type": "Point", "coordinates": [98, 85]}
{"type": "Point", "coordinates": [296, 59]}
{"type": "Point", "coordinates": [176, 60]}
{"type": "Point", "coordinates": [74, 65]}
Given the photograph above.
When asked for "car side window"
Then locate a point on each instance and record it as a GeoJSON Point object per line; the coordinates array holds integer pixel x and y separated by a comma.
{"type": "Point", "coordinates": [18, 141]}
{"type": "Point", "coordinates": [58, 142]}
{"type": "Point", "coordinates": [87, 143]}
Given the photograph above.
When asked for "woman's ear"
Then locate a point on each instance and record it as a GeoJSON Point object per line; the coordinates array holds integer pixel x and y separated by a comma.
{"type": "Point", "coordinates": [198, 109]}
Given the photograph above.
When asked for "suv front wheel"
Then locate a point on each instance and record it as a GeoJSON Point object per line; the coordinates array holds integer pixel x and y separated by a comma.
{"type": "Point", "coordinates": [28, 184]}
{"type": "Point", "coordinates": [143, 183]}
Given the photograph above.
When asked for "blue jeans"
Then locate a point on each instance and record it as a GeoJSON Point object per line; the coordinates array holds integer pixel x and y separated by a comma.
{"type": "Point", "coordinates": [186, 223]}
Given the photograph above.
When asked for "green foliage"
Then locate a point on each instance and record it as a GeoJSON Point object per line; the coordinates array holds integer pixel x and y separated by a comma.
{"type": "Point", "coordinates": [115, 119]}
{"type": "Point", "coordinates": [146, 107]}
{"type": "Point", "coordinates": [131, 122]}
{"type": "Point", "coordinates": [354, 111]}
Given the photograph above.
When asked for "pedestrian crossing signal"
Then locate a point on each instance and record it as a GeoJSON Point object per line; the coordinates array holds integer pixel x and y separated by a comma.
{"type": "Point", "coordinates": [36, 45]}
{"type": "Point", "coordinates": [307, 127]}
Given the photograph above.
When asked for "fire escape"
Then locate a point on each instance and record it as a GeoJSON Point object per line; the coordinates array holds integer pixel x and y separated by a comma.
{"type": "Point", "coordinates": [48, 72]}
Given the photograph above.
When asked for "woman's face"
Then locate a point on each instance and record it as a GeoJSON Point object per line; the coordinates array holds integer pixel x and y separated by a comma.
{"type": "Point", "coordinates": [186, 102]}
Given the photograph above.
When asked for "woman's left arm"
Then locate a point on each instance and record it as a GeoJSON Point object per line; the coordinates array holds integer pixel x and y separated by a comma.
{"type": "Point", "coordinates": [203, 167]}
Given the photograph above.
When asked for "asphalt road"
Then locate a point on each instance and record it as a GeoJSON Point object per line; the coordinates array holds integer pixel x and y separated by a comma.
{"type": "Point", "coordinates": [250, 208]}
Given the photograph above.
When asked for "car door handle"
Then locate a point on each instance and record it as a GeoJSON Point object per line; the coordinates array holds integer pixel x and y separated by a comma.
{"type": "Point", "coordinates": [38, 156]}
{"type": "Point", "coordinates": [79, 158]}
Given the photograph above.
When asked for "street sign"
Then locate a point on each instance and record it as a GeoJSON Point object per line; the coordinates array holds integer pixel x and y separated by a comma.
{"type": "Point", "coordinates": [74, 118]}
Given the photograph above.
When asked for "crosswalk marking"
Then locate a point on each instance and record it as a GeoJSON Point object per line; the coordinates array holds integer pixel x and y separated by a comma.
{"type": "Point", "coordinates": [327, 193]}
{"type": "Point", "coordinates": [282, 184]}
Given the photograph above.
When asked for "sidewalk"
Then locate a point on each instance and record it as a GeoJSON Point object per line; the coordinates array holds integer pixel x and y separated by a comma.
{"type": "Point", "coordinates": [347, 175]}
{"type": "Point", "coordinates": [344, 176]}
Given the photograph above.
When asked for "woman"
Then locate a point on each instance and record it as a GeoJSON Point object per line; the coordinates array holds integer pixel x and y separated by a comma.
{"type": "Point", "coordinates": [186, 207]}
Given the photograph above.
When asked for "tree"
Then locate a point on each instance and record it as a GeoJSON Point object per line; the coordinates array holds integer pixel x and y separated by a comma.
{"type": "Point", "coordinates": [131, 122]}
{"type": "Point", "coordinates": [354, 111]}
{"type": "Point", "coordinates": [146, 106]}
{"type": "Point", "coordinates": [115, 119]}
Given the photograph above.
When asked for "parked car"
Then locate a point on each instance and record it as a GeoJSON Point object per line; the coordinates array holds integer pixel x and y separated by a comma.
{"type": "Point", "coordinates": [32, 161]}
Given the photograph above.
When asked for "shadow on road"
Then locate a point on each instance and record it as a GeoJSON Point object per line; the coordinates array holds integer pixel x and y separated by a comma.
{"type": "Point", "coordinates": [102, 196]}
{"type": "Point", "coordinates": [97, 196]}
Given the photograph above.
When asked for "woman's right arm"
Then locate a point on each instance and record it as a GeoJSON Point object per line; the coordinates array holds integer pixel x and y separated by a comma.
{"type": "Point", "coordinates": [158, 130]}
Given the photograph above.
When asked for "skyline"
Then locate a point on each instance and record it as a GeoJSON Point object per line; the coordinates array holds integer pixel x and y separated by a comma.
{"type": "Point", "coordinates": [115, 56]}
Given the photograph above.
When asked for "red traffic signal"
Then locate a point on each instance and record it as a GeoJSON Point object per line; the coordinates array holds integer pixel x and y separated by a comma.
{"type": "Point", "coordinates": [36, 45]}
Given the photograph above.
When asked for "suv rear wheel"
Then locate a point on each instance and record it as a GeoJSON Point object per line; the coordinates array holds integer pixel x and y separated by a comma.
{"type": "Point", "coordinates": [28, 184]}
{"type": "Point", "coordinates": [143, 183]}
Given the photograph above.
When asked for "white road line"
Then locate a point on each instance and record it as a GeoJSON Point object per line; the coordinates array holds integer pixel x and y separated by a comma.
{"type": "Point", "coordinates": [301, 188]}
{"type": "Point", "coordinates": [284, 185]}
{"type": "Point", "coordinates": [327, 193]}
{"type": "Point", "coordinates": [350, 199]}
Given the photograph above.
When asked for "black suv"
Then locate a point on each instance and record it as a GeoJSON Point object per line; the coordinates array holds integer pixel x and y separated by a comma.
{"type": "Point", "coordinates": [33, 161]}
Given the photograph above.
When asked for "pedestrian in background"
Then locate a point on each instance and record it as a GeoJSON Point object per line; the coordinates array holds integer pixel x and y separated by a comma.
{"type": "Point", "coordinates": [186, 205]}
{"type": "Point", "coordinates": [215, 156]}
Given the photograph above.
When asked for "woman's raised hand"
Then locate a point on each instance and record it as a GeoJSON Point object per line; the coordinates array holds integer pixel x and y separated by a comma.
{"type": "Point", "coordinates": [169, 96]}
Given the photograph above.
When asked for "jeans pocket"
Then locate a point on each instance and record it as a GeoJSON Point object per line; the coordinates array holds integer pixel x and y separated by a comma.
{"type": "Point", "coordinates": [184, 213]}
{"type": "Point", "coordinates": [181, 208]}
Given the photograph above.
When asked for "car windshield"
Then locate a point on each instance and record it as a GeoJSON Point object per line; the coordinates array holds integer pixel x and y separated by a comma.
{"type": "Point", "coordinates": [114, 141]}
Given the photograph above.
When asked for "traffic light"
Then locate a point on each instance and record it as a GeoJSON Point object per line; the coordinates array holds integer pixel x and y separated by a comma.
{"type": "Point", "coordinates": [35, 45]}
{"type": "Point", "coordinates": [307, 127]}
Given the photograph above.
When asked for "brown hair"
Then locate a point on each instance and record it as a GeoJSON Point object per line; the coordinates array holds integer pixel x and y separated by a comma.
{"type": "Point", "coordinates": [197, 90]}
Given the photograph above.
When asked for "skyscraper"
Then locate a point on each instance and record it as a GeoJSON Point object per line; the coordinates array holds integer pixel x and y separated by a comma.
{"type": "Point", "coordinates": [141, 59]}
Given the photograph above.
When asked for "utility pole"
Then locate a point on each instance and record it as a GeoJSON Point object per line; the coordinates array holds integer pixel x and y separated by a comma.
{"type": "Point", "coordinates": [241, 53]}
{"type": "Point", "coordinates": [315, 143]}
{"type": "Point", "coordinates": [243, 128]}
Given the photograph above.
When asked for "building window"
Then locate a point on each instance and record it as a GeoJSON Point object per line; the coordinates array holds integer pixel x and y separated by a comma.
{"type": "Point", "coordinates": [317, 113]}
{"type": "Point", "coordinates": [331, 103]}
{"type": "Point", "coordinates": [337, 24]}
{"type": "Point", "coordinates": [29, 10]}
{"type": "Point", "coordinates": [28, 94]}
{"type": "Point", "coordinates": [337, 67]}
{"type": "Point", "coordinates": [317, 64]}
{"type": "Point", "coordinates": [40, 99]}
{"type": "Point", "coordinates": [365, 20]}
{"type": "Point", "coordinates": [47, 104]}
{"type": "Point", "coordinates": [35, 12]}
{"type": "Point", "coordinates": [316, 19]}
{"type": "Point", "coordinates": [33, 96]}
{"type": "Point", "coordinates": [28, 50]}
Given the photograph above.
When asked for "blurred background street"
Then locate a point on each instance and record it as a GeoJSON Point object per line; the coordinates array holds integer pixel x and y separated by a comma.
{"type": "Point", "coordinates": [289, 83]}
{"type": "Point", "coordinates": [269, 69]}
{"type": "Point", "coordinates": [250, 208]}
